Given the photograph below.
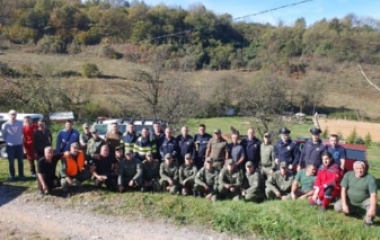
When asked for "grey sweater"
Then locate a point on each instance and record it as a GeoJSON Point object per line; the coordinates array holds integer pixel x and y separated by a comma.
{"type": "Point", "coordinates": [12, 133]}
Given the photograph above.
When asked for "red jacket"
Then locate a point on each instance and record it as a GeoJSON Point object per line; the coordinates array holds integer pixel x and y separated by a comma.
{"type": "Point", "coordinates": [329, 176]}
{"type": "Point", "coordinates": [28, 134]}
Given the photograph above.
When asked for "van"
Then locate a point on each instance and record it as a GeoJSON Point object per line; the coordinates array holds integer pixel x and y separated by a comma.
{"type": "Point", "coordinates": [4, 117]}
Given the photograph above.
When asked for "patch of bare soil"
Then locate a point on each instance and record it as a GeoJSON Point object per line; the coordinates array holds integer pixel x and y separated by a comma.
{"type": "Point", "coordinates": [346, 127]}
{"type": "Point", "coordinates": [26, 216]}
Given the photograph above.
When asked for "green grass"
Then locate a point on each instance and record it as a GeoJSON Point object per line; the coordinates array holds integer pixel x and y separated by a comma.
{"type": "Point", "coordinates": [269, 220]}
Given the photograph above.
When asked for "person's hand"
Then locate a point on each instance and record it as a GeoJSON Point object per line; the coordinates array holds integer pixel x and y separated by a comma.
{"type": "Point", "coordinates": [372, 212]}
{"type": "Point", "coordinates": [206, 188]}
{"type": "Point", "coordinates": [290, 166]}
{"type": "Point", "coordinates": [346, 209]}
{"type": "Point", "coordinates": [130, 183]}
{"type": "Point", "coordinates": [232, 189]}
{"type": "Point", "coordinates": [303, 197]}
{"type": "Point", "coordinates": [170, 182]}
{"type": "Point", "coordinates": [294, 197]}
{"type": "Point", "coordinates": [69, 181]}
{"type": "Point", "coordinates": [227, 186]}
{"type": "Point", "coordinates": [121, 188]}
{"type": "Point", "coordinates": [298, 167]}
{"type": "Point", "coordinates": [278, 194]}
{"type": "Point", "coordinates": [243, 192]}
{"type": "Point", "coordinates": [315, 197]}
{"type": "Point", "coordinates": [276, 161]}
{"type": "Point", "coordinates": [184, 182]}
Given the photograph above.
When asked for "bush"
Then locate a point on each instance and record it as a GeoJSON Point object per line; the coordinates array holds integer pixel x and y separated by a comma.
{"type": "Point", "coordinates": [359, 140]}
{"type": "Point", "coordinates": [90, 70]}
{"type": "Point", "coordinates": [5, 70]}
{"type": "Point", "coordinates": [74, 48]}
{"type": "Point", "coordinates": [87, 38]}
{"type": "Point", "coordinates": [325, 133]}
{"type": "Point", "coordinates": [352, 137]}
{"type": "Point", "coordinates": [20, 35]}
{"type": "Point", "coordinates": [367, 140]}
{"type": "Point", "coordinates": [110, 53]}
{"type": "Point", "coordinates": [50, 45]}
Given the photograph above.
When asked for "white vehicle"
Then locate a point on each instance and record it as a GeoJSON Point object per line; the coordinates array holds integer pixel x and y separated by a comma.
{"type": "Point", "coordinates": [4, 117]}
{"type": "Point", "coordinates": [103, 126]}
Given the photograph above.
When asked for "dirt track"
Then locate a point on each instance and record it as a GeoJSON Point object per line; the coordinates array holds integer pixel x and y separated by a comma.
{"type": "Point", "coordinates": [346, 127]}
{"type": "Point", "coordinates": [23, 216]}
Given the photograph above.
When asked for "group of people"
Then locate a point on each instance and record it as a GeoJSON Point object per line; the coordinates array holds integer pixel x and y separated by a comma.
{"type": "Point", "coordinates": [201, 165]}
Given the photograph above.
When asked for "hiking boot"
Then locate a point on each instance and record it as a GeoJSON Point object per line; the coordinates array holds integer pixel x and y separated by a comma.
{"type": "Point", "coordinates": [22, 178]}
{"type": "Point", "coordinates": [12, 179]}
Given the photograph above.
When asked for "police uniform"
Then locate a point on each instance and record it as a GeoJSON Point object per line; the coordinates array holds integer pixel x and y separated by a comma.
{"type": "Point", "coordinates": [279, 183]}
{"type": "Point", "coordinates": [169, 146]}
{"type": "Point", "coordinates": [312, 152]}
{"type": "Point", "coordinates": [185, 145]}
{"type": "Point", "coordinates": [286, 151]}
{"type": "Point", "coordinates": [252, 150]}
{"type": "Point", "coordinates": [201, 142]}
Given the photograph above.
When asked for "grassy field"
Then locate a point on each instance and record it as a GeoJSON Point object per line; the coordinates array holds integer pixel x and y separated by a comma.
{"type": "Point", "coordinates": [269, 220]}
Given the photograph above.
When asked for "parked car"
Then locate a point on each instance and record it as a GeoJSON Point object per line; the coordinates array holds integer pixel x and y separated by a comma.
{"type": "Point", "coordinates": [4, 117]}
{"type": "Point", "coordinates": [104, 125]}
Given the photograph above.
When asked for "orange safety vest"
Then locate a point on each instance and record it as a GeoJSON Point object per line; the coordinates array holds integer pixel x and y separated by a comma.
{"type": "Point", "coordinates": [73, 167]}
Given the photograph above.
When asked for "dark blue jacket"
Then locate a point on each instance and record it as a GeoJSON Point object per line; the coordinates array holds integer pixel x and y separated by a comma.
{"type": "Point", "coordinates": [252, 150]}
{"type": "Point", "coordinates": [312, 152]}
{"type": "Point", "coordinates": [65, 139]}
{"type": "Point", "coordinates": [287, 151]}
{"type": "Point", "coordinates": [186, 145]}
{"type": "Point", "coordinates": [169, 146]}
{"type": "Point", "coordinates": [202, 141]}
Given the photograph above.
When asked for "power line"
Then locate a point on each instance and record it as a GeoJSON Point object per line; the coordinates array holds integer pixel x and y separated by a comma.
{"type": "Point", "coordinates": [188, 31]}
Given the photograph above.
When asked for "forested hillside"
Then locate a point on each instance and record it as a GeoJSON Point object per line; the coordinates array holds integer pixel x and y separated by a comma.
{"type": "Point", "coordinates": [204, 39]}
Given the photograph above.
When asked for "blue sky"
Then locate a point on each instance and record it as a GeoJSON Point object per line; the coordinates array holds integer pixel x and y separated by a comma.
{"type": "Point", "coordinates": [311, 11]}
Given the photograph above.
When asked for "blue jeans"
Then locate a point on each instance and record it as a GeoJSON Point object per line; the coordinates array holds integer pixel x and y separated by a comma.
{"type": "Point", "coordinates": [16, 152]}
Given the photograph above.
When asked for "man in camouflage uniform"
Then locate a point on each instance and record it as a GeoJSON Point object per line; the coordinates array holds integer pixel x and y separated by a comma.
{"type": "Point", "coordinates": [169, 175]}
{"type": "Point", "coordinates": [187, 172]}
{"type": "Point", "coordinates": [84, 137]}
{"type": "Point", "coordinates": [129, 173]}
{"type": "Point", "coordinates": [267, 156]}
{"type": "Point", "coordinates": [206, 180]}
{"type": "Point", "coordinates": [230, 181]}
{"type": "Point", "coordinates": [151, 173]}
{"type": "Point", "coordinates": [278, 185]}
{"type": "Point", "coordinates": [253, 184]}
{"type": "Point", "coordinates": [93, 145]}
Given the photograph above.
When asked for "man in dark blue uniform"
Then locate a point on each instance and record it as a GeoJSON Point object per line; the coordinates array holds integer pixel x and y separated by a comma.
{"type": "Point", "coordinates": [157, 136]}
{"type": "Point", "coordinates": [312, 149]}
{"type": "Point", "coordinates": [286, 150]}
{"type": "Point", "coordinates": [201, 140]}
{"type": "Point", "coordinates": [185, 144]}
{"type": "Point", "coordinates": [169, 144]}
{"type": "Point", "coordinates": [251, 147]}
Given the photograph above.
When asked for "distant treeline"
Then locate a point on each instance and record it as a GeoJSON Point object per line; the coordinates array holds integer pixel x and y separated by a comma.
{"type": "Point", "coordinates": [206, 40]}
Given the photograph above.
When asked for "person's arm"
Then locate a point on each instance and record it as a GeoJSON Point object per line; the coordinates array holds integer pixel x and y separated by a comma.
{"type": "Point", "coordinates": [139, 172]}
{"type": "Point", "coordinates": [181, 175]}
{"type": "Point", "coordinates": [163, 173]}
{"type": "Point", "coordinates": [270, 184]}
{"type": "Point", "coordinates": [176, 177]}
{"type": "Point", "coordinates": [81, 140]}
{"type": "Point", "coordinates": [294, 189]}
{"type": "Point", "coordinates": [343, 196]}
{"type": "Point", "coordinates": [199, 178]}
{"type": "Point", "coordinates": [221, 179]}
{"type": "Point", "coordinates": [241, 160]}
{"type": "Point", "coordinates": [120, 174]}
{"type": "Point", "coordinates": [343, 158]}
{"type": "Point", "coordinates": [4, 131]}
{"type": "Point", "coordinates": [373, 205]}
{"type": "Point", "coordinates": [192, 176]}
{"type": "Point", "coordinates": [208, 150]}
{"type": "Point", "coordinates": [226, 149]}
{"type": "Point", "coordinates": [59, 142]}
{"type": "Point", "coordinates": [298, 156]}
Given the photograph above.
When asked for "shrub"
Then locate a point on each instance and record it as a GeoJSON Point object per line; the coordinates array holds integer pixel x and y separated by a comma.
{"type": "Point", "coordinates": [367, 140]}
{"type": "Point", "coordinates": [74, 48]}
{"type": "Point", "coordinates": [325, 133]}
{"type": "Point", "coordinates": [110, 53]}
{"type": "Point", "coordinates": [352, 137]}
{"type": "Point", "coordinates": [5, 70]}
{"type": "Point", "coordinates": [359, 140]}
{"type": "Point", "coordinates": [50, 45]}
{"type": "Point", "coordinates": [20, 35]}
{"type": "Point", "coordinates": [90, 70]}
{"type": "Point", "coordinates": [87, 38]}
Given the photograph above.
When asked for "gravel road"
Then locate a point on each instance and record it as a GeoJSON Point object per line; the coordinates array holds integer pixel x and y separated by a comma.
{"type": "Point", "coordinates": [26, 216]}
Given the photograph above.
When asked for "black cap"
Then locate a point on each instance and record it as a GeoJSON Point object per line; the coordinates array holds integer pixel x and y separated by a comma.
{"type": "Point", "coordinates": [118, 148]}
{"type": "Point", "coordinates": [315, 131]}
{"type": "Point", "coordinates": [284, 131]}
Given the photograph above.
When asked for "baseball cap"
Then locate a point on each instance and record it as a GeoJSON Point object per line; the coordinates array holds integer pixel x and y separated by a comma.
{"type": "Point", "coordinates": [12, 111]}
{"type": "Point", "coordinates": [217, 131]}
{"type": "Point", "coordinates": [284, 165]}
{"type": "Point", "coordinates": [85, 125]}
{"type": "Point", "coordinates": [188, 156]}
{"type": "Point", "coordinates": [209, 159]}
{"type": "Point", "coordinates": [118, 148]}
{"type": "Point", "coordinates": [249, 164]}
{"type": "Point", "coordinates": [129, 152]}
{"type": "Point", "coordinates": [148, 154]}
{"type": "Point", "coordinates": [230, 162]}
{"type": "Point", "coordinates": [168, 155]}
{"type": "Point", "coordinates": [267, 134]}
{"type": "Point", "coordinates": [75, 144]}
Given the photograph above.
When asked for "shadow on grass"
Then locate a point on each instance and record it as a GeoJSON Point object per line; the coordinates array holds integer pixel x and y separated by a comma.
{"type": "Point", "coordinates": [10, 192]}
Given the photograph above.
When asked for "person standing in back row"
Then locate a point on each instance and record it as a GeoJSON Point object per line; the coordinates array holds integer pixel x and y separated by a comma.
{"type": "Point", "coordinates": [12, 132]}
{"type": "Point", "coordinates": [185, 145]}
{"type": "Point", "coordinates": [338, 152]}
{"type": "Point", "coordinates": [201, 140]}
{"type": "Point", "coordinates": [286, 150]}
{"type": "Point", "coordinates": [113, 138]}
{"type": "Point", "coordinates": [66, 137]}
{"type": "Point", "coordinates": [252, 148]}
{"type": "Point", "coordinates": [42, 138]}
{"type": "Point", "coordinates": [28, 129]}
{"type": "Point", "coordinates": [217, 149]}
{"type": "Point", "coordinates": [312, 150]}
